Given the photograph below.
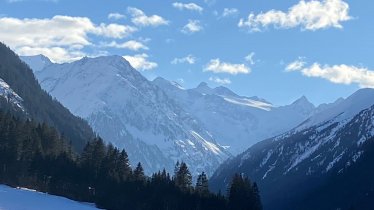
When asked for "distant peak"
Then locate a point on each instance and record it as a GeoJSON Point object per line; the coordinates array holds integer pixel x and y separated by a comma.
{"type": "Point", "coordinates": [203, 88]}
{"type": "Point", "coordinates": [36, 62]}
{"type": "Point", "coordinates": [203, 85]}
{"type": "Point", "coordinates": [114, 60]}
{"type": "Point", "coordinates": [303, 102]}
{"type": "Point", "coordinates": [160, 79]}
{"type": "Point", "coordinates": [106, 58]}
{"type": "Point", "coordinates": [302, 99]}
{"type": "Point", "coordinates": [39, 56]}
{"type": "Point", "coordinates": [220, 90]}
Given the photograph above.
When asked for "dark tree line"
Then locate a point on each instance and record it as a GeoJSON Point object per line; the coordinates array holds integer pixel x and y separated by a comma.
{"type": "Point", "coordinates": [35, 155]}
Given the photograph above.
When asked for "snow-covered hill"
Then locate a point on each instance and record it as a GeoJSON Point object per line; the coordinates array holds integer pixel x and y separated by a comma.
{"type": "Point", "coordinates": [131, 112]}
{"type": "Point", "coordinates": [26, 199]}
{"type": "Point", "coordinates": [323, 146]}
{"type": "Point", "coordinates": [237, 122]}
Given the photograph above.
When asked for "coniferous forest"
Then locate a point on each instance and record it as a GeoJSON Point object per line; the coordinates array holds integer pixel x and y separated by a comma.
{"type": "Point", "coordinates": [35, 155]}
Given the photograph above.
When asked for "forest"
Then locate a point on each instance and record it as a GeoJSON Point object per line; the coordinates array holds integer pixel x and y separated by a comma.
{"type": "Point", "coordinates": [36, 156]}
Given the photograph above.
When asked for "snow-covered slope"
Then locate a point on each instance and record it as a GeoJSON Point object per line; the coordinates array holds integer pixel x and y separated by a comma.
{"type": "Point", "coordinates": [131, 112]}
{"type": "Point", "coordinates": [36, 62]}
{"type": "Point", "coordinates": [326, 143]}
{"type": "Point", "coordinates": [237, 122]}
{"type": "Point", "coordinates": [26, 199]}
{"type": "Point", "coordinates": [345, 109]}
{"type": "Point", "coordinates": [10, 96]}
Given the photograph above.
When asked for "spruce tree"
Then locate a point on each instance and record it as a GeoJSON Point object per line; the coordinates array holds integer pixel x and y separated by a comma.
{"type": "Point", "coordinates": [176, 169]}
{"type": "Point", "coordinates": [184, 178]}
{"type": "Point", "coordinates": [202, 184]}
{"type": "Point", "coordinates": [139, 173]}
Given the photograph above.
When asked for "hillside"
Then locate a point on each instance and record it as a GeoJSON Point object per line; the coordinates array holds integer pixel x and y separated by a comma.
{"type": "Point", "coordinates": [317, 160]}
{"type": "Point", "coordinates": [37, 104]}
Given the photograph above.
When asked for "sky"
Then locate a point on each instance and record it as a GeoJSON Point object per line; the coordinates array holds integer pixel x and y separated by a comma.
{"type": "Point", "coordinates": [276, 50]}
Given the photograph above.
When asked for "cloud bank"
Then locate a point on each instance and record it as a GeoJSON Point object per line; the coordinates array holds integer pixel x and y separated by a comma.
{"type": "Point", "coordinates": [308, 15]}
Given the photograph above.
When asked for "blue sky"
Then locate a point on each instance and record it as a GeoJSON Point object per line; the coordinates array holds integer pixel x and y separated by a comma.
{"type": "Point", "coordinates": [322, 49]}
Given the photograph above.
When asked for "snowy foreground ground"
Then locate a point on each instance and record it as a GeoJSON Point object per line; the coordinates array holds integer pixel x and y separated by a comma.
{"type": "Point", "coordinates": [25, 199]}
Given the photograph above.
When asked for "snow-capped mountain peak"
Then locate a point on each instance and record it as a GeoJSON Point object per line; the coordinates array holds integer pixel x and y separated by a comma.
{"type": "Point", "coordinates": [132, 113]}
{"type": "Point", "coordinates": [224, 91]}
{"type": "Point", "coordinates": [203, 88]}
{"type": "Point", "coordinates": [235, 121]}
{"type": "Point", "coordinates": [36, 62]}
{"type": "Point", "coordinates": [303, 105]}
{"type": "Point", "coordinates": [303, 100]}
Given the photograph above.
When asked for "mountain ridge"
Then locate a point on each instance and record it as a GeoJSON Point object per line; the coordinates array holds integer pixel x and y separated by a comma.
{"type": "Point", "coordinates": [124, 107]}
{"type": "Point", "coordinates": [297, 162]}
{"type": "Point", "coordinates": [238, 121]}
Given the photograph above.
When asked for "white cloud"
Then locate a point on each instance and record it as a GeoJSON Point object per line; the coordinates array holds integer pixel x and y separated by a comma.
{"type": "Point", "coordinates": [229, 12]}
{"type": "Point", "coordinates": [131, 45]}
{"type": "Point", "coordinates": [140, 62]}
{"type": "Point", "coordinates": [309, 15]}
{"type": "Point", "coordinates": [223, 81]}
{"type": "Point", "coordinates": [340, 74]}
{"type": "Point", "coordinates": [216, 66]}
{"type": "Point", "coordinates": [296, 65]}
{"type": "Point", "coordinates": [56, 54]}
{"type": "Point", "coordinates": [141, 19]}
{"type": "Point", "coordinates": [114, 30]}
{"type": "Point", "coordinates": [61, 38]}
{"type": "Point", "coordinates": [190, 59]}
{"type": "Point", "coordinates": [249, 58]}
{"type": "Point", "coordinates": [116, 16]}
{"type": "Point", "coordinates": [192, 26]}
{"type": "Point", "coordinates": [187, 6]}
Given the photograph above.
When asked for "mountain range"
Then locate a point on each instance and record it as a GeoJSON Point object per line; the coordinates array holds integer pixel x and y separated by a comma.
{"type": "Point", "coordinates": [237, 122]}
{"type": "Point", "coordinates": [51, 160]}
{"type": "Point", "coordinates": [159, 122]}
{"type": "Point", "coordinates": [301, 156]}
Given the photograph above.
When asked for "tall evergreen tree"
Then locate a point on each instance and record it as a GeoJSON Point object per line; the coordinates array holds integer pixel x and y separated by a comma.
{"type": "Point", "coordinates": [183, 177]}
{"type": "Point", "coordinates": [202, 184]}
{"type": "Point", "coordinates": [176, 169]}
{"type": "Point", "coordinates": [124, 165]}
{"type": "Point", "coordinates": [139, 173]}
